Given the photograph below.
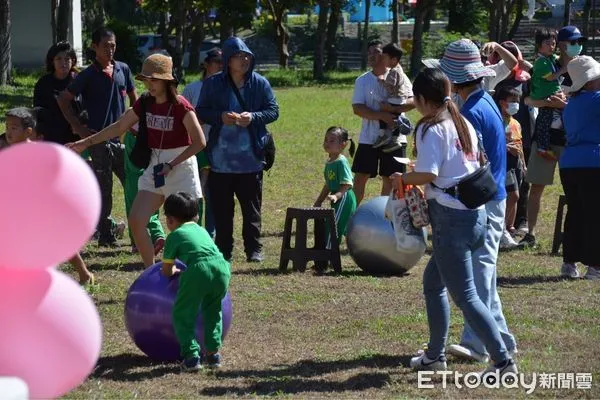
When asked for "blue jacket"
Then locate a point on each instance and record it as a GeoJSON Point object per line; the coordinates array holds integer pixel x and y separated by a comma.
{"type": "Point", "coordinates": [257, 94]}
{"type": "Point", "coordinates": [481, 111]}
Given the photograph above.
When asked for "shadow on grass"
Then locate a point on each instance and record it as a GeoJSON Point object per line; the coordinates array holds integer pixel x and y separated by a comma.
{"type": "Point", "coordinates": [129, 267]}
{"type": "Point", "coordinates": [511, 281]}
{"type": "Point", "coordinates": [130, 368]}
{"type": "Point", "coordinates": [261, 272]}
{"type": "Point", "coordinates": [296, 378]}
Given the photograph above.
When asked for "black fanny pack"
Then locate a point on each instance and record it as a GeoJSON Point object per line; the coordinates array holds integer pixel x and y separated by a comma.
{"type": "Point", "coordinates": [477, 188]}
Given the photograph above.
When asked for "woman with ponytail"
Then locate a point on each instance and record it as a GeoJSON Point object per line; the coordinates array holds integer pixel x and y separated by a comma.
{"type": "Point", "coordinates": [446, 152]}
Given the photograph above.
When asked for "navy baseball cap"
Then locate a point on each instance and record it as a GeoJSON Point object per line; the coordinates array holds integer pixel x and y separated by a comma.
{"type": "Point", "coordinates": [214, 55]}
{"type": "Point", "coordinates": [568, 33]}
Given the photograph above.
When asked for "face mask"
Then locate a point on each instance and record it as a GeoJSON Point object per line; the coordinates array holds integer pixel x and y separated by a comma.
{"type": "Point", "coordinates": [457, 100]}
{"type": "Point", "coordinates": [512, 108]}
{"type": "Point", "coordinates": [573, 50]}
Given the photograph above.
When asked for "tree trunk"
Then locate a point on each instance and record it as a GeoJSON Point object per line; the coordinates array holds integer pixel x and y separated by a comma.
{"type": "Point", "coordinates": [395, 27]}
{"type": "Point", "coordinates": [517, 21]}
{"type": "Point", "coordinates": [567, 14]}
{"type": "Point", "coordinates": [421, 10]}
{"type": "Point", "coordinates": [587, 12]}
{"type": "Point", "coordinates": [197, 39]}
{"type": "Point", "coordinates": [365, 36]}
{"type": "Point", "coordinates": [180, 39]}
{"type": "Point", "coordinates": [493, 23]}
{"type": "Point", "coordinates": [282, 36]}
{"type": "Point", "coordinates": [53, 12]}
{"type": "Point", "coordinates": [332, 28]}
{"type": "Point", "coordinates": [427, 23]}
{"type": "Point", "coordinates": [226, 27]}
{"type": "Point", "coordinates": [5, 60]}
{"type": "Point", "coordinates": [63, 20]}
{"type": "Point", "coordinates": [505, 10]}
{"type": "Point", "coordinates": [318, 72]}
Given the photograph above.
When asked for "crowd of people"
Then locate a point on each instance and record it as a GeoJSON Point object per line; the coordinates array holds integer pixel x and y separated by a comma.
{"type": "Point", "coordinates": [478, 104]}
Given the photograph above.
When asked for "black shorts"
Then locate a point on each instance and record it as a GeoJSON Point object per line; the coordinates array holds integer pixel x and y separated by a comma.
{"type": "Point", "coordinates": [368, 160]}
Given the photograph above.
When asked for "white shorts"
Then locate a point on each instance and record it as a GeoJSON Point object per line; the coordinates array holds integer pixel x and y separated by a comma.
{"type": "Point", "coordinates": [183, 178]}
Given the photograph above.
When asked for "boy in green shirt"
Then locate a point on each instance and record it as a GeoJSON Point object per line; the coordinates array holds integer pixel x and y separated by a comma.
{"type": "Point", "coordinates": [545, 83]}
{"type": "Point", "coordinates": [202, 286]}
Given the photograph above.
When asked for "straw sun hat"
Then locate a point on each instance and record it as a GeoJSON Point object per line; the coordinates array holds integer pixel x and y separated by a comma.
{"type": "Point", "coordinates": [157, 66]}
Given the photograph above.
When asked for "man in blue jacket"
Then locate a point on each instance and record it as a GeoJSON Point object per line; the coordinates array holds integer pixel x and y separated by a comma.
{"type": "Point", "coordinates": [238, 103]}
{"type": "Point", "coordinates": [462, 64]}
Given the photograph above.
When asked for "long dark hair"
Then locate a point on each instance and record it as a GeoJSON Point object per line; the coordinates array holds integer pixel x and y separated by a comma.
{"type": "Point", "coordinates": [434, 88]}
{"type": "Point", "coordinates": [57, 48]}
{"type": "Point", "coordinates": [343, 135]}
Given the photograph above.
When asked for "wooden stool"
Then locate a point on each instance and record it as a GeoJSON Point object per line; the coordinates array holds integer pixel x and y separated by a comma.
{"type": "Point", "coordinates": [300, 255]}
{"type": "Point", "coordinates": [558, 224]}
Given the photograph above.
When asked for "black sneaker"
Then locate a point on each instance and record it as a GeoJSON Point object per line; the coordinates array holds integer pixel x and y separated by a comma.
{"type": "Point", "coordinates": [212, 360]}
{"type": "Point", "coordinates": [528, 241]}
{"type": "Point", "coordinates": [255, 256]}
{"type": "Point", "coordinates": [191, 365]}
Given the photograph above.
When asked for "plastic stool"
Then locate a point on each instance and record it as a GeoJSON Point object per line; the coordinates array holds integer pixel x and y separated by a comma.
{"type": "Point", "coordinates": [300, 255]}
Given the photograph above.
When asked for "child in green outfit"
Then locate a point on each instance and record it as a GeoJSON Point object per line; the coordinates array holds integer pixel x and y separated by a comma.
{"type": "Point", "coordinates": [338, 178]}
{"type": "Point", "coordinates": [202, 286]}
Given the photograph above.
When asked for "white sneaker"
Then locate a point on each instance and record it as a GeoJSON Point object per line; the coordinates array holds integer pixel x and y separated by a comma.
{"type": "Point", "coordinates": [466, 354]}
{"type": "Point", "coordinates": [570, 271]}
{"type": "Point", "coordinates": [424, 363]}
{"type": "Point", "coordinates": [507, 242]}
{"type": "Point", "coordinates": [592, 273]}
{"type": "Point", "coordinates": [491, 372]}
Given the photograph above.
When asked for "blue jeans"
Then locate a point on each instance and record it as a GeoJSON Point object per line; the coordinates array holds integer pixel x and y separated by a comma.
{"type": "Point", "coordinates": [456, 235]}
{"type": "Point", "coordinates": [484, 275]}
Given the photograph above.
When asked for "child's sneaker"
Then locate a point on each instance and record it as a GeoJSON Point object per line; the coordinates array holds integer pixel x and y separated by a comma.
{"type": "Point", "coordinates": [569, 270]}
{"type": "Point", "coordinates": [382, 140]}
{"type": "Point", "coordinates": [393, 145]}
{"type": "Point", "coordinates": [212, 360]}
{"type": "Point", "coordinates": [592, 274]}
{"type": "Point", "coordinates": [547, 155]}
{"type": "Point", "coordinates": [424, 363]}
{"type": "Point", "coordinates": [191, 365]}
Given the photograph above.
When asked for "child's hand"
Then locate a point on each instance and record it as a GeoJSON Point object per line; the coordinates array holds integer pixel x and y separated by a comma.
{"type": "Point", "coordinates": [332, 197]}
{"type": "Point", "coordinates": [166, 169]}
{"type": "Point", "coordinates": [78, 146]}
{"type": "Point", "coordinates": [176, 271]}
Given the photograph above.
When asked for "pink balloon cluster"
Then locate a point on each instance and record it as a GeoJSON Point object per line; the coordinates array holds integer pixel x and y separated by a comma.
{"type": "Point", "coordinates": [50, 330]}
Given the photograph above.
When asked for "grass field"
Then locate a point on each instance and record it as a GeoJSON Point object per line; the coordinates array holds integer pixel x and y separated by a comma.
{"type": "Point", "coordinates": [347, 335]}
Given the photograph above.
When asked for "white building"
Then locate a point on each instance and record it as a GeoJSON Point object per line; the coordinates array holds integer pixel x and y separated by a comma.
{"type": "Point", "coordinates": [31, 32]}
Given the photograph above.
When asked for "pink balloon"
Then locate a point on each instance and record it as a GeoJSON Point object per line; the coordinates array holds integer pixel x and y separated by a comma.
{"type": "Point", "coordinates": [50, 205]}
{"type": "Point", "coordinates": [51, 332]}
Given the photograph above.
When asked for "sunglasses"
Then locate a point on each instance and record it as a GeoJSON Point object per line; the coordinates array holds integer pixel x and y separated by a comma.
{"type": "Point", "coordinates": [578, 41]}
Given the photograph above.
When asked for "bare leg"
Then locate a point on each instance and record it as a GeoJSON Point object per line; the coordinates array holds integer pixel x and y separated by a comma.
{"type": "Point", "coordinates": [360, 181]}
{"type": "Point", "coordinates": [511, 209]}
{"type": "Point", "coordinates": [144, 205]}
{"type": "Point", "coordinates": [386, 185]}
{"type": "Point", "coordinates": [85, 276]}
{"type": "Point", "coordinates": [533, 206]}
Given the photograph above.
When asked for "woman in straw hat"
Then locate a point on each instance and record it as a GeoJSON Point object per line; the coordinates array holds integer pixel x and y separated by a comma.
{"type": "Point", "coordinates": [580, 168]}
{"type": "Point", "coordinates": [174, 137]}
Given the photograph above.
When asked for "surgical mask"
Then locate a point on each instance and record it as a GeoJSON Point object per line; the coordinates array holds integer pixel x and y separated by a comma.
{"type": "Point", "coordinates": [457, 100]}
{"type": "Point", "coordinates": [573, 50]}
{"type": "Point", "coordinates": [512, 108]}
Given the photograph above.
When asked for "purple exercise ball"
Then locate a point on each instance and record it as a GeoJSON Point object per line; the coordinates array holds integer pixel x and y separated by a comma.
{"type": "Point", "coordinates": [149, 310]}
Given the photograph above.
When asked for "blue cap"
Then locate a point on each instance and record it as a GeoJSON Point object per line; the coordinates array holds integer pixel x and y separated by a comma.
{"type": "Point", "coordinates": [568, 33]}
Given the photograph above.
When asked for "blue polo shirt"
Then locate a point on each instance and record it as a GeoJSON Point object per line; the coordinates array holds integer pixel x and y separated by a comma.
{"type": "Point", "coordinates": [481, 111]}
{"type": "Point", "coordinates": [96, 87]}
{"type": "Point", "coordinates": [582, 124]}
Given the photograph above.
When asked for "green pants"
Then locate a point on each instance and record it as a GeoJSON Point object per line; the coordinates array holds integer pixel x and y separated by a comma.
{"type": "Point", "coordinates": [132, 175]}
{"type": "Point", "coordinates": [202, 287]}
{"type": "Point", "coordinates": [344, 208]}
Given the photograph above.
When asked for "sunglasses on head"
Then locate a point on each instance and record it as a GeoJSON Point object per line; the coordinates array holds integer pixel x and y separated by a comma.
{"type": "Point", "coordinates": [577, 41]}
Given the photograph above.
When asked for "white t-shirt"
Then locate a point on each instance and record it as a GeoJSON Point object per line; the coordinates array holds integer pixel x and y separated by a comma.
{"type": "Point", "coordinates": [370, 92]}
{"type": "Point", "coordinates": [439, 152]}
{"type": "Point", "coordinates": [502, 72]}
{"type": "Point", "coordinates": [192, 94]}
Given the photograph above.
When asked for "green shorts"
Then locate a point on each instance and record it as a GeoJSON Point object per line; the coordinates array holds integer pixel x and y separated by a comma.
{"type": "Point", "coordinates": [539, 170]}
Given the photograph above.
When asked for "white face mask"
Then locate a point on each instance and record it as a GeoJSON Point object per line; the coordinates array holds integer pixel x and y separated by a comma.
{"type": "Point", "coordinates": [512, 108]}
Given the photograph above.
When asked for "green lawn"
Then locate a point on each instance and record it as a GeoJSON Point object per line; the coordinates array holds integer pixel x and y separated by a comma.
{"type": "Point", "coordinates": [348, 335]}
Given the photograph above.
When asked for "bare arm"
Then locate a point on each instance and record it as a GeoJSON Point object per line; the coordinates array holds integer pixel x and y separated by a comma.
{"type": "Point", "coordinates": [340, 193]}
{"type": "Point", "coordinates": [198, 140]}
{"type": "Point", "coordinates": [553, 102]}
{"type": "Point", "coordinates": [322, 196]}
{"type": "Point", "coordinates": [64, 103]}
{"type": "Point", "coordinates": [124, 123]}
{"type": "Point", "coordinates": [409, 105]}
{"type": "Point", "coordinates": [411, 178]}
{"type": "Point", "coordinates": [365, 112]}
{"type": "Point", "coordinates": [132, 97]}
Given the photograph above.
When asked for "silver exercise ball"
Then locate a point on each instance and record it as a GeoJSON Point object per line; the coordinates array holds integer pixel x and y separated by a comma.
{"type": "Point", "coordinates": [372, 243]}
